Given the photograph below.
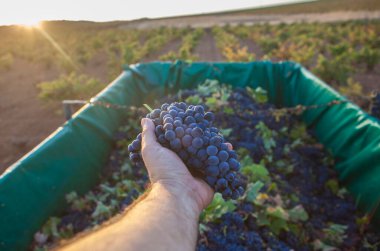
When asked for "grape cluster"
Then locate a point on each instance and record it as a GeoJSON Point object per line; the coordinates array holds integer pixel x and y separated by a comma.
{"type": "Point", "coordinates": [188, 131]}
{"type": "Point", "coordinates": [375, 111]}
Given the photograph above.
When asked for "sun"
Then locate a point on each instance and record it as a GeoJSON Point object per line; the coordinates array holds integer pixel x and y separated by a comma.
{"type": "Point", "coordinates": [30, 23]}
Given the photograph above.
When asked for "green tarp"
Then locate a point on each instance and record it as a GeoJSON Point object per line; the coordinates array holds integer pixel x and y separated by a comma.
{"type": "Point", "coordinates": [71, 158]}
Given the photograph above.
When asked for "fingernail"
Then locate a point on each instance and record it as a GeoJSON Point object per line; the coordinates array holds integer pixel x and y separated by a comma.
{"type": "Point", "coordinates": [143, 123]}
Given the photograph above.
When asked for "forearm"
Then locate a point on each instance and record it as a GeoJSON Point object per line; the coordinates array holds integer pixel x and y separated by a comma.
{"type": "Point", "coordinates": [160, 221]}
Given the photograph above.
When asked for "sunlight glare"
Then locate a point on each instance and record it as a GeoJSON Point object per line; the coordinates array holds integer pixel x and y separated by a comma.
{"type": "Point", "coordinates": [30, 23]}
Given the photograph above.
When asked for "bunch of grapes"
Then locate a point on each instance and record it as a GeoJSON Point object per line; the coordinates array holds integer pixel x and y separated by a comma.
{"type": "Point", "coordinates": [188, 131]}
{"type": "Point", "coordinates": [375, 110]}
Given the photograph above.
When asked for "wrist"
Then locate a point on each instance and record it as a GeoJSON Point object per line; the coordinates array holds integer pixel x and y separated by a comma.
{"type": "Point", "coordinates": [185, 199]}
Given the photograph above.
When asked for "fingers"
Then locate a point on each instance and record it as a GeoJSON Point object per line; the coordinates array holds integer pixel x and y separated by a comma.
{"type": "Point", "coordinates": [148, 135]}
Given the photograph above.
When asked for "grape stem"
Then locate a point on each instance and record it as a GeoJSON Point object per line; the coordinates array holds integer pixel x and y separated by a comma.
{"type": "Point", "coordinates": [148, 107]}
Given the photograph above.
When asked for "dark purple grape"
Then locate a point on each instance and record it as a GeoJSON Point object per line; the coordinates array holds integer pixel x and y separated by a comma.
{"type": "Point", "coordinates": [234, 164]}
{"type": "Point", "coordinates": [221, 184]}
{"type": "Point", "coordinates": [135, 157]}
{"type": "Point", "coordinates": [179, 132]}
{"type": "Point", "coordinates": [177, 123]}
{"type": "Point", "coordinates": [168, 120]}
{"type": "Point", "coordinates": [224, 147]}
{"type": "Point", "coordinates": [216, 141]}
{"type": "Point", "coordinates": [155, 113]}
{"type": "Point", "coordinates": [174, 113]}
{"type": "Point", "coordinates": [230, 176]}
{"type": "Point", "coordinates": [209, 116]}
{"type": "Point", "coordinates": [223, 155]}
{"type": "Point", "coordinates": [211, 180]}
{"type": "Point", "coordinates": [161, 139]}
{"type": "Point", "coordinates": [197, 132]}
{"type": "Point", "coordinates": [163, 114]}
{"type": "Point", "coordinates": [188, 131]}
{"type": "Point", "coordinates": [187, 140]}
{"type": "Point", "coordinates": [212, 150]}
{"type": "Point", "coordinates": [212, 160]}
{"type": "Point", "coordinates": [159, 129]}
{"type": "Point", "coordinates": [192, 150]}
{"type": "Point", "coordinates": [198, 117]}
{"type": "Point", "coordinates": [197, 142]}
{"type": "Point", "coordinates": [175, 144]}
{"type": "Point", "coordinates": [168, 126]}
{"type": "Point", "coordinates": [227, 193]}
{"type": "Point", "coordinates": [202, 154]}
{"type": "Point", "coordinates": [181, 115]}
{"type": "Point", "coordinates": [189, 120]}
{"type": "Point", "coordinates": [169, 135]}
{"type": "Point", "coordinates": [224, 167]}
{"type": "Point", "coordinates": [212, 171]}
{"type": "Point", "coordinates": [164, 106]}
{"type": "Point", "coordinates": [199, 109]}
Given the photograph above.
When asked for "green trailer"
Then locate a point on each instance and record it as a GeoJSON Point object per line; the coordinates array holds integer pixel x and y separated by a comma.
{"type": "Point", "coordinates": [71, 158]}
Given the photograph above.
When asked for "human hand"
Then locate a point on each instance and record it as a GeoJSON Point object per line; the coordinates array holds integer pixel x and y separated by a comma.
{"type": "Point", "coordinates": [167, 169]}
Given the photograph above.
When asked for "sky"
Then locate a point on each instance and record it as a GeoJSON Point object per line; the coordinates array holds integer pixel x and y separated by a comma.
{"type": "Point", "coordinates": [31, 11]}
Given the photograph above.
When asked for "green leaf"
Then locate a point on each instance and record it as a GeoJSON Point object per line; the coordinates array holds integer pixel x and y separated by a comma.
{"type": "Point", "coordinates": [269, 143]}
{"type": "Point", "coordinates": [208, 87]}
{"type": "Point", "coordinates": [226, 132]}
{"type": "Point", "coordinates": [51, 227]}
{"type": "Point", "coordinates": [298, 131]}
{"type": "Point", "coordinates": [277, 225]}
{"type": "Point", "coordinates": [228, 110]}
{"type": "Point", "coordinates": [203, 228]}
{"type": "Point", "coordinates": [335, 234]}
{"type": "Point", "coordinates": [70, 197]}
{"type": "Point", "coordinates": [195, 99]}
{"type": "Point", "coordinates": [319, 245]}
{"type": "Point", "coordinates": [211, 102]}
{"type": "Point", "coordinates": [277, 212]}
{"type": "Point", "coordinates": [217, 208]}
{"type": "Point", "coordinates": [254, 171]}
{"type": "Point", "coordinates": [298, 213]}
{"type": "Point", "coordinates": [107, 189]}
{"type": "Point", "coordinates": [333, 185]}
{"type": "Point", "coordinates": [259, 94]}
{"type": "Point", "coordinates": [253, 190]}
{"type": "Point", "coordinates": [101, 211]}
{"type": "Point", "coordinates": [262, 219]}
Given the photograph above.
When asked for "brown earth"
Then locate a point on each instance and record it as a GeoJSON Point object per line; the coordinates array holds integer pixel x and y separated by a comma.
{"type": "Point", "coordinates": [206, 49]}
{"type": "Point", "coordinates": [24, 119]}
{"type": "Point", "coordinates": [252, 48]}
{"type": "Point", "coordinates": [369, 80]}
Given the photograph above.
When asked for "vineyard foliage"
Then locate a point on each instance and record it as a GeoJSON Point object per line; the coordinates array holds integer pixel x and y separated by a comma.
{"type": "Point", "coordinates": [335, 52]}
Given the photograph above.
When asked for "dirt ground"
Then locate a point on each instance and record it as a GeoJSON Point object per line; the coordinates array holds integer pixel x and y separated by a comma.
{"type": "Point", "coordinates": [249, 19]}
{"type": "Point", "coordinates": [206, 49]}
{"type": "Point", "coordinates": [25, 121]}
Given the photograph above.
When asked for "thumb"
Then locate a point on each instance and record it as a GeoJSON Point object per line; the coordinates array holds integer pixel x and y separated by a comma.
{"type": "Point", "coordinates": [148, 135]}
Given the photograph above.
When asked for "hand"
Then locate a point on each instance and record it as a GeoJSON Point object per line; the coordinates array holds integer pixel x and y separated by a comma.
{"type": "Point", "coordinates": [167, 169]}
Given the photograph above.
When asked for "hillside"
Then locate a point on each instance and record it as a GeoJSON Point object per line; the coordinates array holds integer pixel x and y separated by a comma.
{"type": "Point", "coordinates": [319, 6]}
